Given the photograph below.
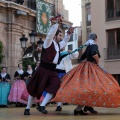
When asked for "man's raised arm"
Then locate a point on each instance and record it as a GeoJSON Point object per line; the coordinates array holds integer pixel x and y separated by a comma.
{"type": "Point", "coordinates": [50, 35]}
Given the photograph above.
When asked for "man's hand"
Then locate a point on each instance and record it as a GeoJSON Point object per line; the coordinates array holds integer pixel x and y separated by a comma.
{"type": "Point", "coordinates": [69, 51]}
{"type": "Point", "coordinates": [57, 18]}
{"type": "Point", "coordinates": [71, 30]}
{"type": "Point", "coordinates": [39, 49]}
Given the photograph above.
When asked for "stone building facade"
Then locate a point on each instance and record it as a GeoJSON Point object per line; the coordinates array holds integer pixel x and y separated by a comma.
{"type": "Point", "coordinates": [14, 25]}
{"type": "Point", "coordinates": [103, 18]}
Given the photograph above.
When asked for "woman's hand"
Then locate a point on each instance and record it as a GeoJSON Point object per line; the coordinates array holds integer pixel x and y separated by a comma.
{"type": "Point", "coordinates": [96, 58]}
{"type": "Point", "coordinates": [8, 80]}
{"type": "Point", "coordinates": [25, 78]}
{"type": "Point", "coordinates": [16, 78]}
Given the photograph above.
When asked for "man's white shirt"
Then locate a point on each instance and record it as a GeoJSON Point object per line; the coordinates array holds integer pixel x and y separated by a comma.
{"type": "Point", "coordinates": [50, 38]}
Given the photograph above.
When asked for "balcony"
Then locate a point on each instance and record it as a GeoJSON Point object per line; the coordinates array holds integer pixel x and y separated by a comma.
{"type": "Point", "coordinates": [32, 4]}
{"type": "Point", "coordinates": [113, 14]}
{"type": "Point", "coordinates": [111, 53]}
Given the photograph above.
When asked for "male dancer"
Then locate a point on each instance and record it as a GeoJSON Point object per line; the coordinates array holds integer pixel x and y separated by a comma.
{"type": "Point", "coordinates": [45, 77]}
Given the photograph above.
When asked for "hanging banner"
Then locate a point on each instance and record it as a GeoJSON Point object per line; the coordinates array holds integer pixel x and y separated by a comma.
{"type": "Point", "coordinates": [43, 11]}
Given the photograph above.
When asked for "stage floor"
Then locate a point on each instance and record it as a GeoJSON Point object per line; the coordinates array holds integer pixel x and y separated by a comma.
{"type": "Point", "coordinates": [16, 113]}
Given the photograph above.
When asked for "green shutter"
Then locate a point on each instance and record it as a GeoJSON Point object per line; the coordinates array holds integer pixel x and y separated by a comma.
{"type": "Point", "coordinates": [43, 12]}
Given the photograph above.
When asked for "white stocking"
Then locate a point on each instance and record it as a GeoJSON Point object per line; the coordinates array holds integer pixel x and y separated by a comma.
{"type": "Point", "coordinates": [30, 101]}
{"type": "Point", "coordinates": [59, 104]}
{"type": "Point", "coordinates": [47, 98]}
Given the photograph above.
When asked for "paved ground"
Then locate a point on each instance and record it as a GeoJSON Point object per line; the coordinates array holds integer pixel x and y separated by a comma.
{"type": "Point", "coordinates": [14, 113]}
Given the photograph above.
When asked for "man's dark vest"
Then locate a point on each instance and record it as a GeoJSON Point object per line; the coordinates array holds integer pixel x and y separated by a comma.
{"type": "Point", "coordinates": [48, 54]}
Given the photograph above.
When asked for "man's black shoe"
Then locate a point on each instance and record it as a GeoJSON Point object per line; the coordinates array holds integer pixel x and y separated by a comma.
{"type": "Point", "coordinates": [42, 109]}
{"type": "Point", "coordinates": [81, 112]}
{"type": "Point", "coordinates": [59, 108]}
{"type": "Point", "coordinates": [27, 112]}
{"type": "Point", "coordinates": [90, 109]}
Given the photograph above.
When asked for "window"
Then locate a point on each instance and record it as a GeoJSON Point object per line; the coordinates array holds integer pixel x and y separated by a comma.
{"type": "Point", "coordinates": [114, 38]}
{"type": "Point", "coordinates": [112, 9]}
{"type": "Point", "coordinates": [71, 38]}
{"type": "Point", "coordinates": [88, 14]}
{"type": "Point", "coordinates": [70, 47]}
{"type": "Point", "coordinates": [117, 8]}
{"type": "Point", "coordinates": [118, 38]}
{"type": "Point", "coordinates": [113, 49]}
{"type": "Point", "coordinates": [111, 38]}
{"type": "Point", "coordinates": [75, 36]}
{"type": "Point", "coordinates": [88, 32]}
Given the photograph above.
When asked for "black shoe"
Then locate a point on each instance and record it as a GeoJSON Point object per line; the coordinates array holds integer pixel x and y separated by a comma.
{"type": "Point", "coordinates": [90, 109]}
{"type": "Point", "coordinates": [27, 112]}
{"type": "Point", "coordinates": [42, 109]}
{"type": "Point", "coordinates": [59, 108]}
{"type": "Point", "coordinates": [17, 105]}
{"type": "Point", "coordinates": [79, 112]}
{"type": "Point", "coordinates": [4, 106]}
{"type": "Point", "coordinates": [33, 105]}
{"type": "Point", "coordinates": [65, 103]}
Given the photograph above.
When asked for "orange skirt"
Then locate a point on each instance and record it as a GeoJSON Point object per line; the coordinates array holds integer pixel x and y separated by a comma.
{"type": "Point", "coordinates": [88, 85]}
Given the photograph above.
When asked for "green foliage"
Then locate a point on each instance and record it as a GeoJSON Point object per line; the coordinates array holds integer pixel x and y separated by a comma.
{"type": "Point", "coordinates": [26, 62]}
{"type": "Point", "coordinates": [1, 52]}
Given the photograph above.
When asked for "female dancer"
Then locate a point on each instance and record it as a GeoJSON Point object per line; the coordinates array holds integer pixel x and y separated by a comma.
{"type": "Point", "coordinates": [87, 84]}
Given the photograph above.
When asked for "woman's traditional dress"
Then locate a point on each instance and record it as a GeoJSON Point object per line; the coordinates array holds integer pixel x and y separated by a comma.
{"type": "Point", "coordinates": [4, 88]}
{"type": "Point", "coordinates": [89, 85]}
{"type": "Point", "coordinates": [17, 88]}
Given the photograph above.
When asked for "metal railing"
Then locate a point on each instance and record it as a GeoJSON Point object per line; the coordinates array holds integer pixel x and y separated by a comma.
{"type": "Point", "coordinates": [28, 3]}
{"type": "Point", "coordinates": [32, 4]}
{"type": "Point", "coordinates": [111, 53]}
{"type": "Point", "coordinates": [113, 14]}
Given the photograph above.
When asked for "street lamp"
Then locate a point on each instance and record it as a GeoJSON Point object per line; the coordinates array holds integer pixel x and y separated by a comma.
{"type": "Point", "coordinates": [23, 41]}
{"type": "Point", "coordinates": [32, 37]}
{"type": "Point", "coordinates": [33, 41]}
{"type": "Point", "coordinates": [40, 44]}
